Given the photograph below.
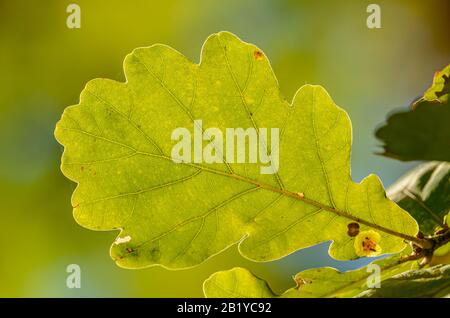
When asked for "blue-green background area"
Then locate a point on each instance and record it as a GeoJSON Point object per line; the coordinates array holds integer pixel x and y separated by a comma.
{"type": "Point", "coordinates": [45, 66]}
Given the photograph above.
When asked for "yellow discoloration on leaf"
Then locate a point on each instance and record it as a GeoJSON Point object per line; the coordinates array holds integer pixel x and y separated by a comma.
{"type": "Point", "coordinates": [367, 243]}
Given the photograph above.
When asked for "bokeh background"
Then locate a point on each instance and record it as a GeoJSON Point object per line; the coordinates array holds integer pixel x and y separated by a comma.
{"type": "Point", "coordinates": [44, 66]}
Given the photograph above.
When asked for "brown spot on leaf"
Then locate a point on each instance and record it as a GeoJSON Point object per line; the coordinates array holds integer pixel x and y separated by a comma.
{"type": "Point", "coordinates": [299, 281]}
{"type": "Point", "coordinates": [353, 229]}
{"type": "Point", "coordinates": [369, 245]}
{"type": "Point", "coordinates": [258, 55]}
{"type": "Point", "coordinates": [417, 249]}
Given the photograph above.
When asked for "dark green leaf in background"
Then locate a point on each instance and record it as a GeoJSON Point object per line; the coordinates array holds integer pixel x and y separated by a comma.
{"type": "Point", "coordinates": [423, 132]}
{"type": "Point", "coordinates": [425, 193]}
{"type": "Point", "coordinates": [420, 283]}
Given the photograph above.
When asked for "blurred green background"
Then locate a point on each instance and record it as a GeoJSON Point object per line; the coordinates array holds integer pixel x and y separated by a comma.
{"type": "Point", "coordinates": [45, 65]}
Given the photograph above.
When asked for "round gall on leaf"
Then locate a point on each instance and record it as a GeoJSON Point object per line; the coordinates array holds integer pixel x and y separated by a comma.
{"type": "Point", "coordinates": [353, 229]}
{"type": "Point", "coordinates": [367, 243]}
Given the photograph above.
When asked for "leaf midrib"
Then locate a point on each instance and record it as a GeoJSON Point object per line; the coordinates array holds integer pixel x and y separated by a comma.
{"type": "Point", "coordinates": [295, 195]}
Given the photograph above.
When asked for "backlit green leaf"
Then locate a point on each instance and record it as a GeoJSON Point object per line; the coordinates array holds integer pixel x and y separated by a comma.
{"type": "Point", "coordinates": [313, 283]}
{"type": "Point", "coordinates": [118, 149]}
{"type": "Point", "coordinates": [440, 90]}
{"type": "Point", "coordinates": [236, 283]}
